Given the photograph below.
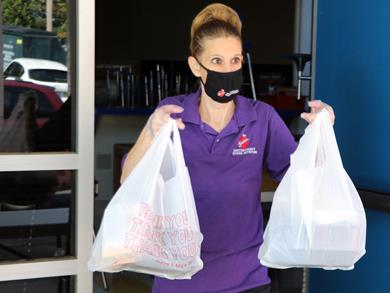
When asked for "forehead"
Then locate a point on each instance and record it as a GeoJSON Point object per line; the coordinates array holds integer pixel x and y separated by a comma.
{"type": "Point", "coordinates": [224, 46]}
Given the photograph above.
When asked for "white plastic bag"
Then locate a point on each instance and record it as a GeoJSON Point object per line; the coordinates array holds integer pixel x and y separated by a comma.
{"type": "Point", "coordinates": [317, 218]}
{"type": "Point", "coordinates": [151, 225]}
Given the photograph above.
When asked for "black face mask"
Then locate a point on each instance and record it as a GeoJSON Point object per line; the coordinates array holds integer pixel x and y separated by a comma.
{"type": "Point", "coordinates": [222, 87]}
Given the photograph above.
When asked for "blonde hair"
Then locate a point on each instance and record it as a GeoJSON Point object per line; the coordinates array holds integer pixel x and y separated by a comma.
{"type": "Point", "coordinates": [215, 20]}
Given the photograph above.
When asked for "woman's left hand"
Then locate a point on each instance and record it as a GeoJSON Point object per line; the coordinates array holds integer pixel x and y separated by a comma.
{"type": "Point", "coordinates": [315, 107]}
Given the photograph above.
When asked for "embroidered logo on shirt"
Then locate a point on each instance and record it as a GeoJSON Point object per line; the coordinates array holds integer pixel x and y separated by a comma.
{"type": "Point", "coordinates": [243, 142]}
{"type": "Point", "coordinates": [243, 147]}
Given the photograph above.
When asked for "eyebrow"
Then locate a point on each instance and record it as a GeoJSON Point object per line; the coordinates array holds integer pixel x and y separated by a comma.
{"type": "Point", "coordinates": [217, 55]}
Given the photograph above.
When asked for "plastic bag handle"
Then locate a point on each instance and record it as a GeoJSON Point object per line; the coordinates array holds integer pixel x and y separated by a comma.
{"type": "Point", "coordinates": [326, 141]}
{"type": "Point", "coordinates": [330, 144]}
{"type": "Point", "coordinates": [322, 133]}
{"type": "Point", "coordinates": [154, 155]}
{"type": "Point", "coordinates": [177, 142]}
{"type": "Point", "coordinates": [305, 154]}
{"type": "Point", "coordinates": [178, 148]}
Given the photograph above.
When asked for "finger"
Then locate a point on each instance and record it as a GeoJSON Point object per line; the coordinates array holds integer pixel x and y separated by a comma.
{"type": "Point", "coordinates": [331, 113]}
{"type": "Point", "coordinates": [171, 109]}
{"type": "Point", "coordinates": [315, 103]}
{"type": "Point", "coordinates": [156, 118]}
{"type": "Point", "coordinates": [164, 118]}
{"type": "Point", "coordinates": [163, 114]}
{"type": "Point", "coordinates": [309, 117]}
{"type": "Point", "coordinates": [180, 124]}
{"type": "Point", "coordinates": [316, 106]}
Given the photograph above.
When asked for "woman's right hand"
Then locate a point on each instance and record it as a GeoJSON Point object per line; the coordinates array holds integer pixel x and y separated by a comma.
{"type": "Point", "coordinates": [160, 116]}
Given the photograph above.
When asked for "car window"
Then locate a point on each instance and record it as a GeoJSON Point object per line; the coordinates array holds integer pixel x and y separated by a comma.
{"type": "Point", "coordinates": [11, 96]}
{"type": "Point", "coordinates": [18, 70]}
{"type": "Point", "coordinates": [10, 70]}
{"type": "Point", "coordinates": [49, 75]}
{"type": "Point", "coordinates": [14, 70]}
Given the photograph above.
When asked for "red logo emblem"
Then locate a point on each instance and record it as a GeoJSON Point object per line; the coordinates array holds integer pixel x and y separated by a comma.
{"type": "Point", "coordinates": [243, 142]}
{"type": "Point", "coordinates": [221, 93]}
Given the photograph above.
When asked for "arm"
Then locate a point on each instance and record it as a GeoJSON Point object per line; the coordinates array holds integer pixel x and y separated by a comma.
{"type": "Point", "coordinates": [136, 153]}
{"type": "Point", "coordinates": [156, 120]}
{"type": "Point", "coordinates": [279, 146]}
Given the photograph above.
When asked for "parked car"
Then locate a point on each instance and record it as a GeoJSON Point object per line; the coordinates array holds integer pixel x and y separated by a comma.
{"type": "Point", "coordinates": [40, 71]}
{"type": "Point", "coordinates": [48, 102]}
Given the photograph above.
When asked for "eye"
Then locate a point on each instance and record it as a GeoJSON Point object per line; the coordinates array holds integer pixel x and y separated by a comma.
{"type": "Point", "coordinates": [216, 60]}
{"type": "Point", "coordinates": [237, 60]}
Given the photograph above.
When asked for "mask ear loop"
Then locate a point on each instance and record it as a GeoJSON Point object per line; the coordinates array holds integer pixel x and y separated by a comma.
{"type": "Point", "coordinates": [201, 65]}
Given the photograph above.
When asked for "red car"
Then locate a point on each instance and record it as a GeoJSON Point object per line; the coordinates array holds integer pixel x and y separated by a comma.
{"type": "Point", "coordinates": [48, 102]}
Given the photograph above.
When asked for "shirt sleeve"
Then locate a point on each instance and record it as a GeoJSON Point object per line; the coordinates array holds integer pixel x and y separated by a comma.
{"type": "Point", "coordinates": [280, 144]}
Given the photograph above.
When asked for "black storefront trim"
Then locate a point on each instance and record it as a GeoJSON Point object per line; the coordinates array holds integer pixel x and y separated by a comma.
{"type": "Point", "coordinates": [375, 200]}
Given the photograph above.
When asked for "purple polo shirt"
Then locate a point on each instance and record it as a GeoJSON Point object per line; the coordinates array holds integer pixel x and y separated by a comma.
{"type": "Point", "coordinates": [226, 174]}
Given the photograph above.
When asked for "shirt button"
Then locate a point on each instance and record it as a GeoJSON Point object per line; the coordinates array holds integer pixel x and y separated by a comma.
{"type": "Point", "coordinates": [218, 140]}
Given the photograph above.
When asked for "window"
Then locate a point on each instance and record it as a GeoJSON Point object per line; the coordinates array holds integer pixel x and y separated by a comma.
{"type": "Point", "coordinates": [14, 70]}
{"type": "Point", "coordinates": [36, 214]}
{"type": "Point", "coordinates": [63, 284]}
{"type": "Point", "coordinates": [49, 75]}
{"type": "Point", "coordinates": [46, 173]}
{"type": "Point", "coordinates": [9, 69]}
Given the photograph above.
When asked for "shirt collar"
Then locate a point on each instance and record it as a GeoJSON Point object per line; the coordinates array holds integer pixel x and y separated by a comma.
{"type": "Point", "coordinates": [244, 112]}
{"type": "Point", "coordinates": [191, 108]}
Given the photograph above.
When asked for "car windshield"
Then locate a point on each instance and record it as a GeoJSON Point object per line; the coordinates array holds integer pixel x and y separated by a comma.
{"type": "Point", "coordinates": [50, 75]}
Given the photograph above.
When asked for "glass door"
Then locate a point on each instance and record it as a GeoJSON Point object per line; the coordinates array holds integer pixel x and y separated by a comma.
{"type": "Point", "coordinates": [46, 145]}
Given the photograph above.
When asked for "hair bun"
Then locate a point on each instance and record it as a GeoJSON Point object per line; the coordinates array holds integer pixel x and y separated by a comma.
{"type": "Point", "coordinates": [216, 11]}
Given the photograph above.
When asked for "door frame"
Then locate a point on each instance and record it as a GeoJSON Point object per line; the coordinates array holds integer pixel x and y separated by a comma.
{"type": "Point", "coordinates": [81, 161]}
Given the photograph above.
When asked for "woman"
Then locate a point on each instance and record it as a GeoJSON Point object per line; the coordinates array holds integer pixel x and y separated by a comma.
{"type": "Point", "coordinates": [227, 140]}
